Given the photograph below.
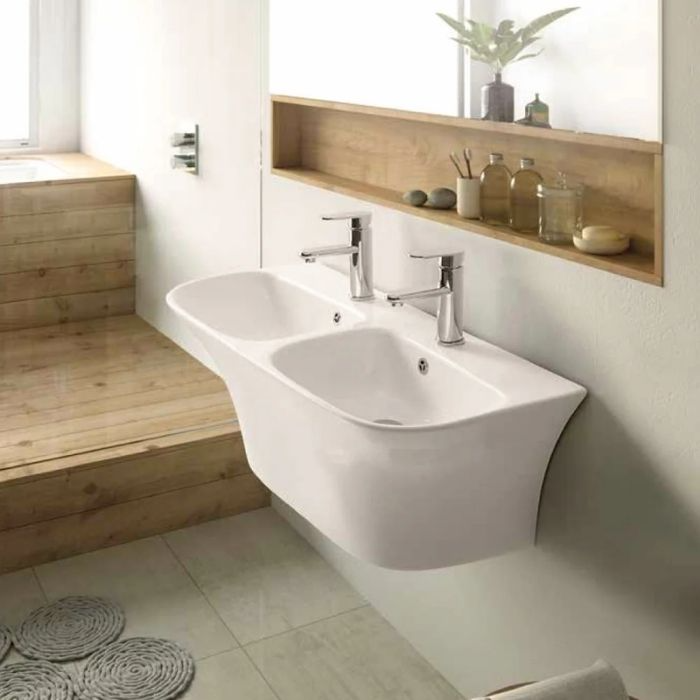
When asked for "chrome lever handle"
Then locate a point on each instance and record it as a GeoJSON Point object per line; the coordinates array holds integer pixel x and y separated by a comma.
{"type": "Point", "coordinates": [448, 261]}
{"type": "Point", "coordinates": [357, 219]}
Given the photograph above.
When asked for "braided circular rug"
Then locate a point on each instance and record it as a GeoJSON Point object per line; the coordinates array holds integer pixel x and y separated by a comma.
{"type": "Point", "coordinates": [69, 629]}
{"type": "Point", "coordinates": [137, 669]}
{"type": "Point", "coordinates": [35, 680]}
{"type": "Point", "coordinates": [5, 641]}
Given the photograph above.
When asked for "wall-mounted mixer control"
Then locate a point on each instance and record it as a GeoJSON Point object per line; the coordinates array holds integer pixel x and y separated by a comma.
{"type": "Point", "coordinates": [186, 156]}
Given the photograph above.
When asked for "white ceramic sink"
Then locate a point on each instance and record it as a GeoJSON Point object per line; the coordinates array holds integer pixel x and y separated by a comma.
{"type": "Point", "coordinates": [376, 375]}
{"type": "Point", "coordinates": [405, 453]}
{"type": "Point", "coordinates": [259, 306]}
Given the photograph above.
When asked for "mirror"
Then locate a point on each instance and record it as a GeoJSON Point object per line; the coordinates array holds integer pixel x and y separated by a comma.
{"type": "Point", "coordinates": [598, 71]}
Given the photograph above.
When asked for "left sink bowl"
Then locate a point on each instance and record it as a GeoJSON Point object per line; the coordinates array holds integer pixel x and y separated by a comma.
{"type": "Point", "coordinates": [258, 306]}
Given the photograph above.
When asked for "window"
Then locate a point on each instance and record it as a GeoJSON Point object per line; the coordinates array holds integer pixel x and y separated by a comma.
{"type": "Point", "coordinates": [18, 56]}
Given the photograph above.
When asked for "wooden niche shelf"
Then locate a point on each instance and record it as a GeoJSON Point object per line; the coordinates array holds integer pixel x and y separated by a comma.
{"type": "Point", "coordinates": [377, 154]}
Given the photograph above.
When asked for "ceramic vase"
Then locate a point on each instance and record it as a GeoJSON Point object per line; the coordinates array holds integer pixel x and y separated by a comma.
{"type": "Point", "coordinates": [498, 101]}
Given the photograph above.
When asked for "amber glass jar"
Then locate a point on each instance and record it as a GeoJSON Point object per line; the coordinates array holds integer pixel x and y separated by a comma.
{"type": "Point", "coordinates": [495, 192]}
{"type": "Point", "coordinates": [524, 204]}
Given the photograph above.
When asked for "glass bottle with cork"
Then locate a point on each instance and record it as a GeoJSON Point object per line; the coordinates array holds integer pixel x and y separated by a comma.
{"type": "Point", "coordinates": [495, 192]}
{"type": "Point", "coordinates": [524, 204]}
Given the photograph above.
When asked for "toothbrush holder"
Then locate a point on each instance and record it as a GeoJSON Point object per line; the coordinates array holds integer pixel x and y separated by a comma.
{"type": "Point", "coordinates": [469, 197]}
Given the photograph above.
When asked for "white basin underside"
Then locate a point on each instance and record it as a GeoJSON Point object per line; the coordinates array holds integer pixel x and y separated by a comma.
{"type": "Point", "coordinates": [403, 469]}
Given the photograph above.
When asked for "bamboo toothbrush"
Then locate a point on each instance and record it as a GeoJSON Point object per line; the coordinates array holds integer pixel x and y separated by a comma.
{"type": "Point", "coordinates": [468, 161]}
{"type": "Point", "coordinates": [455, 162]}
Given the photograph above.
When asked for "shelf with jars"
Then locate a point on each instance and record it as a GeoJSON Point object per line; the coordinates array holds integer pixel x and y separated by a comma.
{"type": "Point", "coordinates": [376, 155]}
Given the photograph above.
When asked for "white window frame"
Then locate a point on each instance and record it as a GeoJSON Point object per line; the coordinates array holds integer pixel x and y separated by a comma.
{"type": "Point", "coordinates": [32, 140]}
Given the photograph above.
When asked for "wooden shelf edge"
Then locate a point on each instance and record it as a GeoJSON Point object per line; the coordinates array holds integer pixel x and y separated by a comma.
{"type": "Point", "coordinates": [630, 265]}
{"type": "Point", "coordinates": [90, 459]}
{"type": "Point", "coordinates": [556, 135]}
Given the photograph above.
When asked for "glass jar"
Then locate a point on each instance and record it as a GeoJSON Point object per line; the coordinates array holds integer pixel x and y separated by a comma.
{"type": "Point", "coordinates": [524, 205]}
{"type": "Point", "coordinates": [495, 192]}
{"type": "Point", "coordinates": [561, 211]}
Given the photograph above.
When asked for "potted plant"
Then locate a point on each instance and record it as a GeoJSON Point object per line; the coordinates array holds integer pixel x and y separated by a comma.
{"type": "Point", "coordinates": [499, 47]}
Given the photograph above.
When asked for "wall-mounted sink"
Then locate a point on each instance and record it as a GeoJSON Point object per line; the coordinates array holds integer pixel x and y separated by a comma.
{"type": "Point", "coordinates": [405, 453]}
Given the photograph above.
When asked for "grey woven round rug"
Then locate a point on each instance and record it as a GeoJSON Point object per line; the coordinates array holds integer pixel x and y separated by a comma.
{"type": "Point", "coordinates": [69, 629]}
{"type": "Point", "coordinates": [137, 669]}
{"type": "Point", "coordinates": [35, 680]}
{"type": "Point", "coordinates": [5, 642]}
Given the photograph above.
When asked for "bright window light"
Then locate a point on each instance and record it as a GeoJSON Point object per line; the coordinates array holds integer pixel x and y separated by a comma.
{"type": "Point", "coordinates": [16, 57]}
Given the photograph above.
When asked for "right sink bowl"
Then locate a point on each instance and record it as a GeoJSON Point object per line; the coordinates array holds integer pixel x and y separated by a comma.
{"type": "Point", "coordinates": [378, 376]}
{"type": "Point", "coordinates": [405, 453]}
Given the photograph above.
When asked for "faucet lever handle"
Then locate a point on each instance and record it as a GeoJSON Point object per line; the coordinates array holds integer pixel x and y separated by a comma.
{"type": "Point", "coordinates": [448, 261]}
{"type": "Point", "coordinates": [357, 219]}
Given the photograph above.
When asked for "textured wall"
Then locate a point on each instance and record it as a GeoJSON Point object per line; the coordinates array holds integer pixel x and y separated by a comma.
{"type": "Point", "coordinates": [617, 570]}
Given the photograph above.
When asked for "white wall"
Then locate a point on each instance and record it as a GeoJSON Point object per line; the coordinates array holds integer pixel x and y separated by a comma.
{"type": "Point", "coordinates": [375, 52]}
{"type": "Point", "coordinates": [151, 67]}
{"type": "Point", "coordinates": [600, 68]}
{"type": "Point", "coordinates": [617, 570]}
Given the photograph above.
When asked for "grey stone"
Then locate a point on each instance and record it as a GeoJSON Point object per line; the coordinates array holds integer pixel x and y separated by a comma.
{"type": "Point", "coordinates": [442, 198]}
{"type": "Point", "coordinates": [416, 198]}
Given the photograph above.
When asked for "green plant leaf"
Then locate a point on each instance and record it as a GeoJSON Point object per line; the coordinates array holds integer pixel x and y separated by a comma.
{"type": "Point", "coordinates": [505, 29]}
{"type": "Point", "coordinates": [502, 45]}
{"type": "Point", "coordinates": [508, 55]}
{"type": "Point", "coordinates": [455, 24]}
{"type": "Point", "coordinates": [537, 25]}
{"type": "Point", "coordinates": [483, 33]}
{"type": "Point", "coordinates": [527, 55]}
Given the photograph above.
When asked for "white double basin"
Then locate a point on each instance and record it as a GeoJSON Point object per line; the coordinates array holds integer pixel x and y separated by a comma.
{"type": "Point", "coordinates": [406, 454]}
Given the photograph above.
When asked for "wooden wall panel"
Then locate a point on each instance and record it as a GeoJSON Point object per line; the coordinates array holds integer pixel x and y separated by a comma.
{"type": "Point", "coordinates": [66, 224]}
{"type": "Point", "coordinates": [49, 540]}
{"type": "Point", "coordinates": [48, 311]}
{"type": "Point", "coordinates": [52, 282]}
{"type": "Point", "coordinates": [44, 198]}
{"type": "Point", "coordinates": [66, 253]}
{"type": "Point", "coordinates": [112, 481]}
{"type": "Point", "coordinates": [66, 249]}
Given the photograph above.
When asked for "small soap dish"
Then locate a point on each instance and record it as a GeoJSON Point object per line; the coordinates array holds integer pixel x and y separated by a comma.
{"type": "Point", "coordinates": [602, 240]}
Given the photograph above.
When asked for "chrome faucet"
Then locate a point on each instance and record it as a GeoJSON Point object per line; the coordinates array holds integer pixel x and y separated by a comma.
{"type": "Point", "coordinates": [449, 292]}
{"type": "Point", "coordinates": [359, 250]}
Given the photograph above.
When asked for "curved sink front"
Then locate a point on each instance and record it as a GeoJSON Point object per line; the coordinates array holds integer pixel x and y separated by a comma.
{"type": "Point", "coordinates": [406, 454]}
{"type": "Point", "coordinates": [376, 376]}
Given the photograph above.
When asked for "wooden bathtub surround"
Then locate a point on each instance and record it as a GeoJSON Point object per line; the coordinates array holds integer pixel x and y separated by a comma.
{"type": "Point", "coordinates": [67, 245]}
{"type": "Point", "coordinates": [110, 432]}
{"type": "Point", "coordinates": [377, 154]}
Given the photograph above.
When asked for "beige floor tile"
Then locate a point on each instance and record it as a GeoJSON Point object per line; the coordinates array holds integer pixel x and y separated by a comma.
{"type": "Point", "coordinates": [355, 656]}
{"type": "Point", "coordinates": [20, 593]}
{"type": "Point", "coordinates": [157, 595]}
{"type": "Point", "coordinates": [228, 676]}
{"type": "Point", "coordinates": [260, 575]}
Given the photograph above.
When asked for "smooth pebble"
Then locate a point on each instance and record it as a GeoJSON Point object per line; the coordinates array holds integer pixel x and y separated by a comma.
{"type": "Point", "coordinates": [442, 198]}
{"type": "Point", "coordinates": [416, 198]}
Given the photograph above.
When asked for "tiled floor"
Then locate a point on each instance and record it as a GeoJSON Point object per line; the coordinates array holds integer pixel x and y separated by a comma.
{"type": "Point", "coordinates": [263, 614]}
